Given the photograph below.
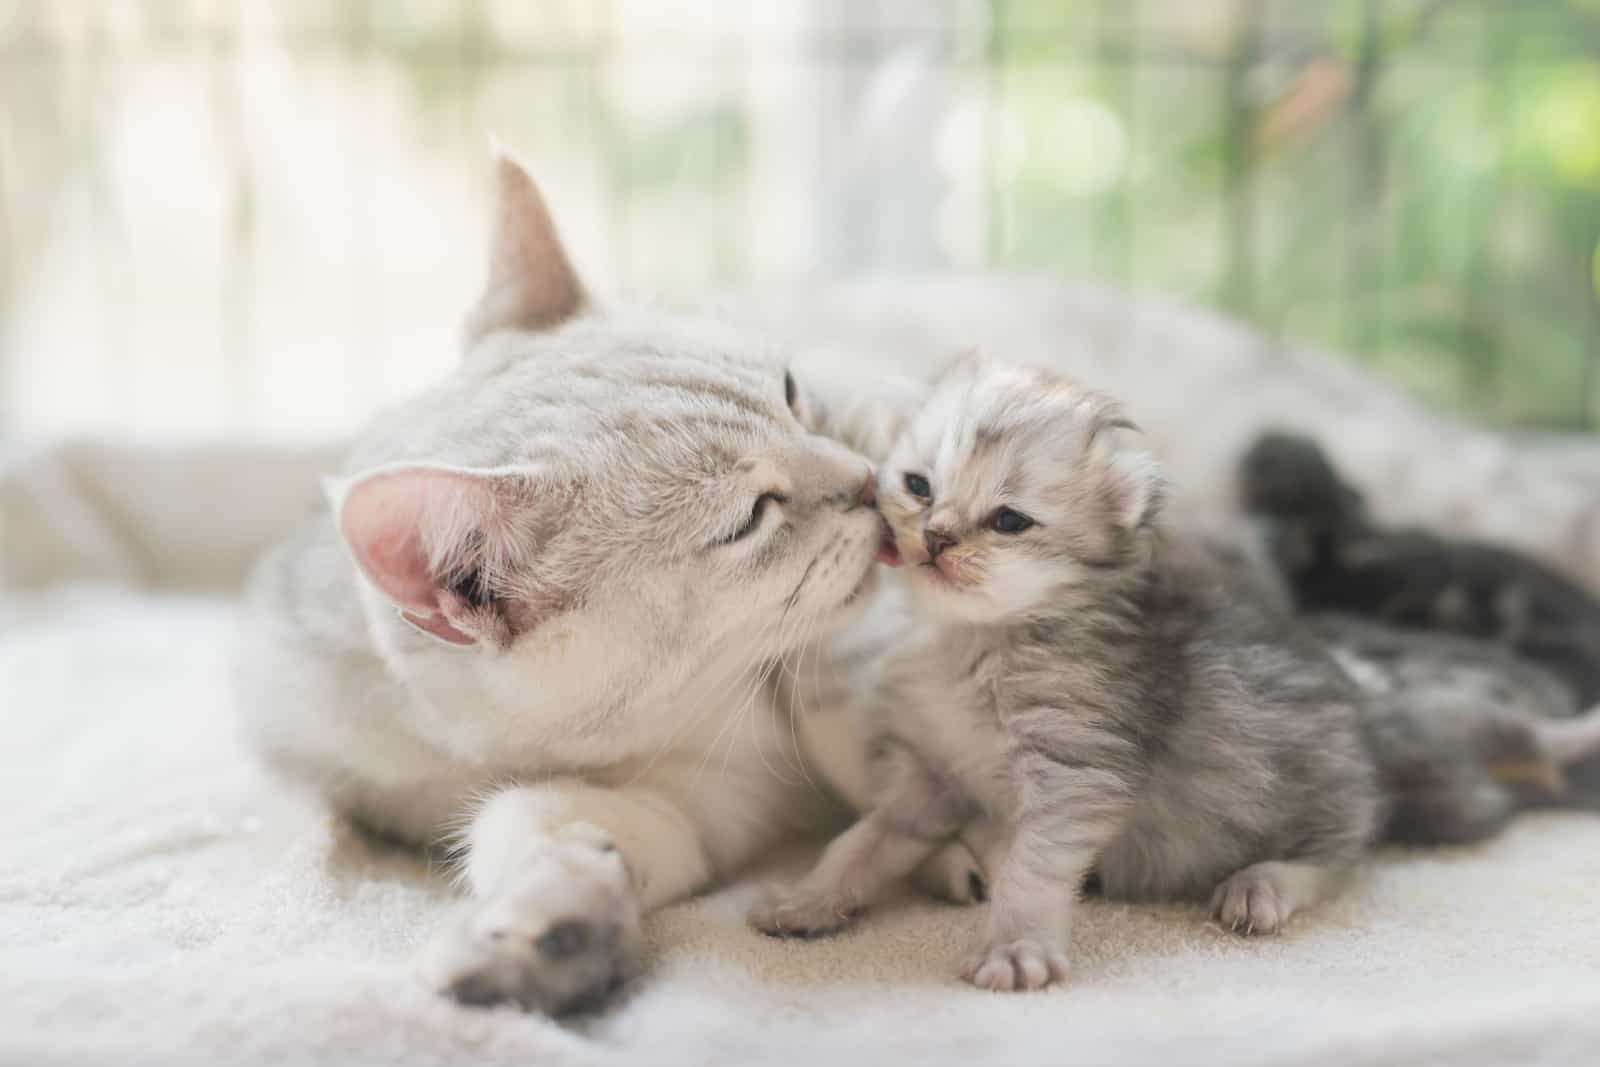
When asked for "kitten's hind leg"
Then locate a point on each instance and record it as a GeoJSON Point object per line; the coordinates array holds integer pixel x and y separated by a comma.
{"type": "Point", "coordinates": [960, 872]}
{"type": "Point", "coordinates": [915, 814]}
{"type": "Point", "coordinates": [853, 871]}
{"type": "Point", "coordinates": [1261, 898]}
{"type": "Point", "coordinates": [954, 874]}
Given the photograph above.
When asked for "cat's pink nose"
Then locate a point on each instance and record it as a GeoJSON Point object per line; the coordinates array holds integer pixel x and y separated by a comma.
{"type": "Point", "coordinates": [937, 541]}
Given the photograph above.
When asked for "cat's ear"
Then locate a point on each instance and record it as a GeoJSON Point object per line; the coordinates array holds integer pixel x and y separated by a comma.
{"type": "Point", "coordinates": [531, 284]}
{"type": "Point", "coordinates": [442, 544]}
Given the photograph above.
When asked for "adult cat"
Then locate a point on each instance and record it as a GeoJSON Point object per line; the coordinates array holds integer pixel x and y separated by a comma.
{"type": "Point", "coordinates": [541, 616]}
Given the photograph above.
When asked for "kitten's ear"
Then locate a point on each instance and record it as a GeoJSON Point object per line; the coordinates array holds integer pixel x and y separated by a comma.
{"type": "Point", "coordinates": [1131, 482]}
{"type": "Point", "coordinates": [440, 543]}
{"type": "Point", "coordinates": [531, 285]}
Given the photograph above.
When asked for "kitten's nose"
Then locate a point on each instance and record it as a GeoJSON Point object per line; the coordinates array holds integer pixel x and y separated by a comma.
{"type": "Point", "coordinates": [937, 541]}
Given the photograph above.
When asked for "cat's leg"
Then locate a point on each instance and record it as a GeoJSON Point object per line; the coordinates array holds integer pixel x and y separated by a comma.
{"type": "Point", "coordinates": [1260, 898]}
{"type": "Point", "coordinates": [560, 873]}
{"type": "Point", "coordinates": [1067, 814]}
{"type": "Point", "coordinates": [916, 813]}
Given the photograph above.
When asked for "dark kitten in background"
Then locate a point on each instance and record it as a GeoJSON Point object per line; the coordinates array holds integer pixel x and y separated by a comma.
{"type": "Point", "coordinates": [1464, 732]}
{"type": "Point", "coordinates": [1335, 558]}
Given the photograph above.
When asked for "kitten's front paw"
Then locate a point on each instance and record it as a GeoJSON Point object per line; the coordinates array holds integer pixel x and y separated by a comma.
{"type": "Point", "coordinates": [799, 912]}
{"type": "Point", "coordinates": [1016, 965]}
{"type": "Point", "coordinates": [1248, 903]}
{"type": "Point", "coordinates": [555, 940]}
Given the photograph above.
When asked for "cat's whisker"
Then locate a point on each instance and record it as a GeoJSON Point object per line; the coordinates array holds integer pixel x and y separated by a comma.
{"type": "Point", "coordinates": [809, 643]}
{"type": "Point", "coordinates": [748, 685]}
{"type": "Point", "coordinates": [758, 680]}
{"type": "Point", "coordinates": [732, 681]}
{"type": "Point", "coordinates": [799, 696]}
{"type": "Point", "coordinates": [794, 694]}
{"type": "Point", "coordinates": [739, 714]}
{"type": "Point", "coordinates": [790, 637]}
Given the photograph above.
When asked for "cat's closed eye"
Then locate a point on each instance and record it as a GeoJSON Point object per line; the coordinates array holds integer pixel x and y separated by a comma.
{"type": "Point", "coordinates": [758, 511]}
{"type": "Point", "coordinates": [918, 487]}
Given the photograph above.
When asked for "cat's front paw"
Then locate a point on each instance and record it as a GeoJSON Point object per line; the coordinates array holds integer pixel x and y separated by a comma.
{"type": "Point", "coordinates": [1249, 903]}
{"type": "Point", "coordinates": [800, 912]}
{"type": "Point", "coordinates": [555, 940]}
{"type": "Point", "coordinates": [1016, 965]}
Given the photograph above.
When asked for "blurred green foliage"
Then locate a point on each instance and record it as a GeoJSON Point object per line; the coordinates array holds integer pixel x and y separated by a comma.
{"type": "Point", "coordinates": [1414, 182]}
{"type": "Point", "coordinates": [1417, 183]}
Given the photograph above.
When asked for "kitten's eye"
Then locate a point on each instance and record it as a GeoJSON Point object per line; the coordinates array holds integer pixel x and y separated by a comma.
{"type": "Point", "coordinates": [757, 510]}
{"type": "Point", "coordinates": [918, 487]}
{"type": "Point", "coordinates": [1009, 522]}
{"type": "Point", "coordinates": [791, 395]}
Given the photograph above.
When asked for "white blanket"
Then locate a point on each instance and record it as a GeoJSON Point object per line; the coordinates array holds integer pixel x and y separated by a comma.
{"type": "Point", "coordinates": [162, 902]}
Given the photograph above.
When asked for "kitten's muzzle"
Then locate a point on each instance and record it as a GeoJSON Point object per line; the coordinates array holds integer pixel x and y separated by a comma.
{"type": "Point", "coordinates": [936, 541]}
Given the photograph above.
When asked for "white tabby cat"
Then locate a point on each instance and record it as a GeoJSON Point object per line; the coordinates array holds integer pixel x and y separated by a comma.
{"type": "Point", "coordinates": [540, 620]}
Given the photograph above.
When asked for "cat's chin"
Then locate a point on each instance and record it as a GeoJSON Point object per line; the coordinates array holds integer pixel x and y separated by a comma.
{"type": "Point", "coordinates": [868, 582]}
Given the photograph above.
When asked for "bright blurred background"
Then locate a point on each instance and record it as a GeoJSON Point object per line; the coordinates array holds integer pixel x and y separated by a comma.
{"type": "Point", "coordinates": [265, 218]}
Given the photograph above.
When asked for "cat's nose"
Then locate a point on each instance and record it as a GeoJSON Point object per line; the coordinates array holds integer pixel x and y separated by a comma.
{"type": "Point", "coordinates": [937, 541]}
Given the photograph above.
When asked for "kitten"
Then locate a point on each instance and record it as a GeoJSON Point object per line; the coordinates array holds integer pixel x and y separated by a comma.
{"type": "Point", "coordinates": [1464, 733]}
{"type": "Point", "coordinates": [1336, 558]}
{"type": "Point", "coordinates": [1092, 679]}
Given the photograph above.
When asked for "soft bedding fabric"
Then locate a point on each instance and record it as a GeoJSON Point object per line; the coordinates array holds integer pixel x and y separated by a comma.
{"type": "Point", "coordinates": [161, 902]}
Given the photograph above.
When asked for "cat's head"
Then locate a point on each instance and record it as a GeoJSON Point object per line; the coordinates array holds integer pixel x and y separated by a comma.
{"type": "Point", "coordinates": [639, 489]}
{"type": "Point", "coordinates": [1011, 487]}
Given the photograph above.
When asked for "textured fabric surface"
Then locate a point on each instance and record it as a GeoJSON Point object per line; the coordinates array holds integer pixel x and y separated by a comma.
{"type": "Point", "coordinates": [162, 902]}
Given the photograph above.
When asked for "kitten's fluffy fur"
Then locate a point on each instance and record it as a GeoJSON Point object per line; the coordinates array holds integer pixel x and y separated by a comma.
{"type": "Point", "coordinates": [1095, 683]}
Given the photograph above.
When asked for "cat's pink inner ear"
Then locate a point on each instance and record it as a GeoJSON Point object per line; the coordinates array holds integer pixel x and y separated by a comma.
{"type": "Point", "coordinates": [531, 284]}
{"type": "Point", "coordinates": [388, 518]}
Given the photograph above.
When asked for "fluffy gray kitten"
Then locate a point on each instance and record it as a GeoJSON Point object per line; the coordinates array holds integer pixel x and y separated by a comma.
{"type": "Point", "coordinates": [1093, 681]}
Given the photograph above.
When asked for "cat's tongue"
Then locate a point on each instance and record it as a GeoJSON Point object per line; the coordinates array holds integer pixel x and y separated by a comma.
{"type": "Point", "coordinates": [888, 551]}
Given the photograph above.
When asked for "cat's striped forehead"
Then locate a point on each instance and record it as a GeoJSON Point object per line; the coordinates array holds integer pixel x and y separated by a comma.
{"type": "Point", "coordinates": [697, 396]}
